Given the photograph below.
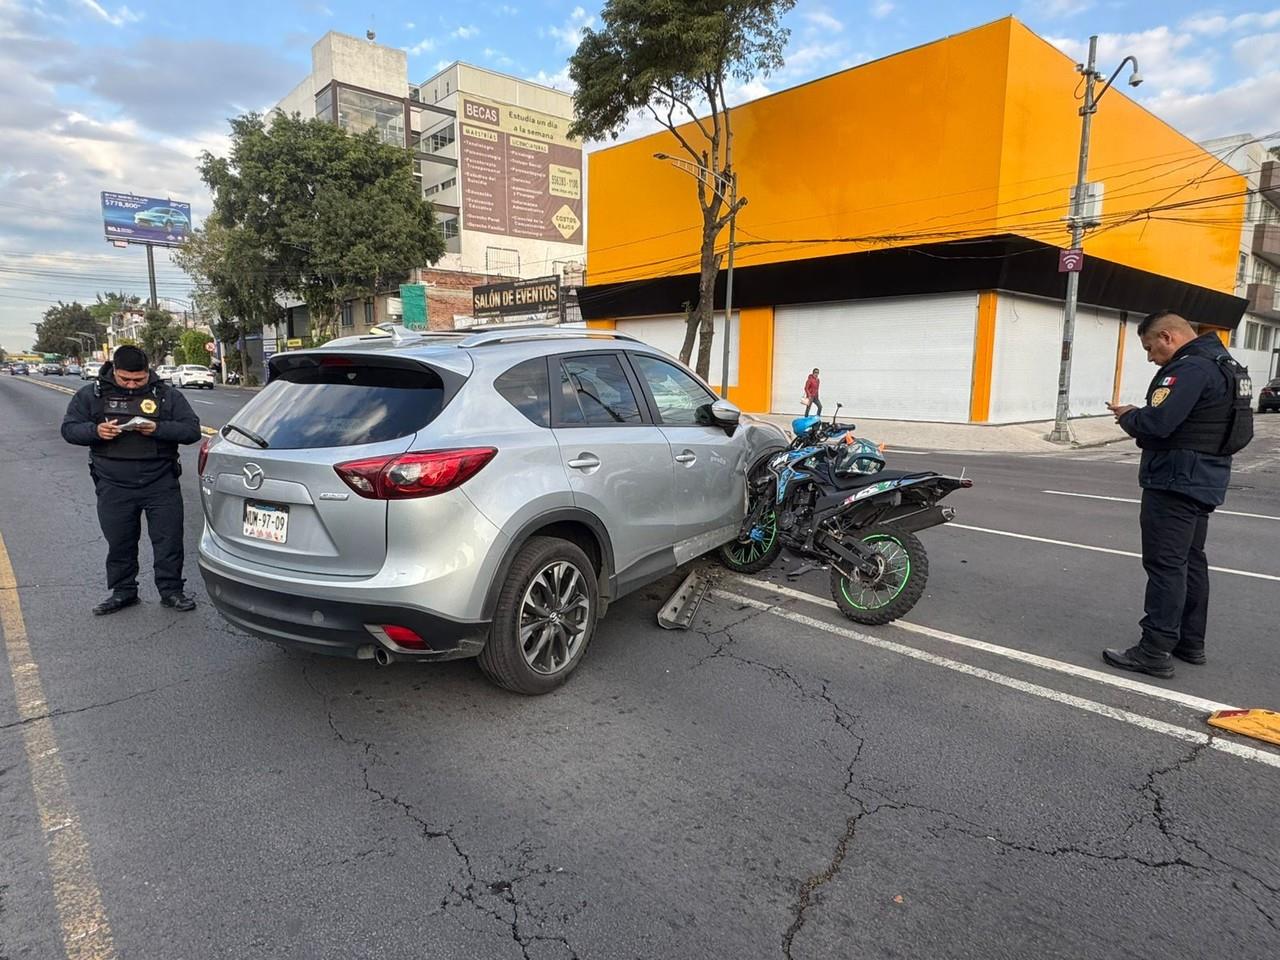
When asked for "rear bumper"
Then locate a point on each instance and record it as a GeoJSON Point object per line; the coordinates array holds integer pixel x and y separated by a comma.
{"type": "Point", "coordinates": [337, 627]}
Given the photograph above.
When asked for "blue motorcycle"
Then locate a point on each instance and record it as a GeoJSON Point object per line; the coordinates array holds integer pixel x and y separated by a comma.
{"type": "Point", "coordinates": [829, 499]}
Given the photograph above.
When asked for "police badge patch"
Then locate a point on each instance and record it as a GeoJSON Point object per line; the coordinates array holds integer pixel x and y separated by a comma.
{"type": "Point", "coordinates": [1159, 396]}
{"type": "Point", "coordinates": [148, 406]}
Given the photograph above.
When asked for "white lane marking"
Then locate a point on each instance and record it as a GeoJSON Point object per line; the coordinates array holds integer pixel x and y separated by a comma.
{"type": "Point", "coordinates": [890, 451]}
{"type": "Point", "coordinates": [1035, 660]}
{"type": "Point", "coordinates": [208, 403]}
{"type": "Point", "coordinates": [1095, 496]}
{"type": "Point", "coordinates": [1086, 546]}
{"type": "Point", "coordinates": [1034, 689]}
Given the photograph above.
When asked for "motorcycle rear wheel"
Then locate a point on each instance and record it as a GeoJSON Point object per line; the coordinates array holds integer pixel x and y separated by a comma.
{"type": "Point", "coordinates": [904, 570]}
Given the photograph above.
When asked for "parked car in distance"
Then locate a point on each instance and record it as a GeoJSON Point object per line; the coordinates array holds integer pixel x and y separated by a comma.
{"type": "Point", "coordinates": [90, 370]}
{"type": "Point", "coordinates": [193, 375]}
{"type": "Point", "coordinates": [72, 370]}
{"type": "Point", "coordinates": [50, 369]}
{"type": "Point", "coordinates": [406, 496]}
{"type": "Point", "coordinates": [166, 371]}
{"type": "Point", "coordinates": [1269, 397]}
{"type": "Point", "coordinates": [19, 369]}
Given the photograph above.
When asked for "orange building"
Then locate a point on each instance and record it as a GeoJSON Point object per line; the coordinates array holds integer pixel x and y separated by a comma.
{"type": "Point", "coordinates": [902, 231]}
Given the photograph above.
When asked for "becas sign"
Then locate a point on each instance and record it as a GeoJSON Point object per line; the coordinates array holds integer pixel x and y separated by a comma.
{"type": "Point", "coordinates": [145, 219]}
{"type": "Point", "coordinates": [521, 172]}
{"type": "Point", "coordinates": [540, 295]}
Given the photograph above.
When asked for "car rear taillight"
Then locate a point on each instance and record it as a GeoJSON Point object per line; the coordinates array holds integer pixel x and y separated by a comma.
{"type": "Point", "coordinates": [403, 636]}
{"type": "Point", "coordinates": [408, 475]}
{"type": "Point", "coordinates": [204, 455]}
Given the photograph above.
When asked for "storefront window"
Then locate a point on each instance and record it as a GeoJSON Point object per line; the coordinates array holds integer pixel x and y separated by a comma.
{"type": "Point", "coordinates": [358, 112]}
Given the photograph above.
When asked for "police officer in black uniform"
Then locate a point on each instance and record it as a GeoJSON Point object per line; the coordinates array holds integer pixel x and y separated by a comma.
{"type": "Point", "coordinates": [132, 423]}
{"type": "Point", "coordinates": [1186, 434]}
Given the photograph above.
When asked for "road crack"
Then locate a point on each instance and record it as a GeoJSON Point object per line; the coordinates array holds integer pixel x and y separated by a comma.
{"type": "Point", "coordinates": [474, 891]}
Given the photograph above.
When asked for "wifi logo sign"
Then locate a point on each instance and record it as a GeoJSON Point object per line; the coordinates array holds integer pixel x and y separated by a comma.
{"type": "Point", "coordinates": [1070, 261]}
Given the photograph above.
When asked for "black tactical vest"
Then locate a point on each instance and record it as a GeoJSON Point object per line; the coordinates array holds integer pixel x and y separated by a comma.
{"type": "Point", "coordinates": [1221, 427]}
{"type": "Point", "coordinates": [121, 407]}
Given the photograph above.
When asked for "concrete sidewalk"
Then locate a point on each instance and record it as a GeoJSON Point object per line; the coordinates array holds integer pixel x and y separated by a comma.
{"type": "Point", "coordinates": [995, 438]}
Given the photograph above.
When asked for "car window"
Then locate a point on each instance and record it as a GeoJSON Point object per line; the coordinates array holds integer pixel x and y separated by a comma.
{"type": "Point", "coordinates": [336, 402]}
{"type": "Point", "coordinates": [526, 387]}
{"type": "Point", "coordinates": [680, 399]}
{"type": "Point", "coordinates": [596, 391]}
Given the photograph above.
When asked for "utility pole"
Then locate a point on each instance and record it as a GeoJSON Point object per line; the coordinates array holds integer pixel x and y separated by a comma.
{"type": "Point", "coordinates": [1061, 427]}
{"type": "Point", "coordinates": [1061, 432]}
{"type": "Point", "coordinates": [151, 274]}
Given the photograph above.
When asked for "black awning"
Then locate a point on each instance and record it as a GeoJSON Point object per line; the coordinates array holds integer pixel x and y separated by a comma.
{"type": "Point", "coordinates": [1006, 262]}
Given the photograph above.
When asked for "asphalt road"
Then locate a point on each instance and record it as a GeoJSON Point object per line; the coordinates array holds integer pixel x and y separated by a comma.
{"type": "Point", "coordinates": [775, 782]}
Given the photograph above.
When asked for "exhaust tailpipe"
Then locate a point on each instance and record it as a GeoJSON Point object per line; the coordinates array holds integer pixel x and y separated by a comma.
{"type": "Point", "coordinates": [381, 657]}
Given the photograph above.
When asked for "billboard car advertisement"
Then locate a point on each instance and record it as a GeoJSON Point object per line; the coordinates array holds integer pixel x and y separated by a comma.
{"type": "Point", "coordinates": [145, 219]}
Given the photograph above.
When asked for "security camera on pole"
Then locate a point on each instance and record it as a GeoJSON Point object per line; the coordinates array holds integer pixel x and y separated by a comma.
{"type": "Point", "coordinates": [1086, 209]}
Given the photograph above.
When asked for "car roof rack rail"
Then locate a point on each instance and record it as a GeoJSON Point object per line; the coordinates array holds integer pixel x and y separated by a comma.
{"type": "Point", "coordinates": [518, 334]}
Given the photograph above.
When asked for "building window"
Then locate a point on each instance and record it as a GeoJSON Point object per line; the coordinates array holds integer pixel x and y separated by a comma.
{"type": "Point", "coordinates": [368, 313]}
{"type": "Point", "coordinates": [1242, 274]}
{"type": "Point", "coordinates": [440, 139]}
{"type": "Point", "coordinates": [358, 112]}
{"type": "Point", "coordinates": [449, 227]}
{"type": "Point", "coordinates": [1264, 338]}
{"type": "Point", "coordinates": [348, 315]}
{"type": "Point", "coordinates": [324, 103]}
{"type": "Point", "coordinates": [1250, 335]}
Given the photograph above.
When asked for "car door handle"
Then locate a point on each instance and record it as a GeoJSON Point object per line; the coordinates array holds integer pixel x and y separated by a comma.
{"type": "Point", "coordinates": [687, 457]}
{"type": "Point", "coordinates": [584, 461]}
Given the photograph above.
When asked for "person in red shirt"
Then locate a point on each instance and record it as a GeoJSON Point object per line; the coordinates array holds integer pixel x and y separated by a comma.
{"type": "Point", "coordinates": [811, 387]}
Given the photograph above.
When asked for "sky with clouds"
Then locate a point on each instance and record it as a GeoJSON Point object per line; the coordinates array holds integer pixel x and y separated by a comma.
{"type": "Point", "coordinates": [101, 95]}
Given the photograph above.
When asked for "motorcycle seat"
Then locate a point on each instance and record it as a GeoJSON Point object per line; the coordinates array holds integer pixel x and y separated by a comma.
{"type": "Point", "coordinates": [857, 480]}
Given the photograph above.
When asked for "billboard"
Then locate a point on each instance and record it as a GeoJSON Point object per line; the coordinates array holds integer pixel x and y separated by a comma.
{"type": "Point", "coordinates": [540, 295]}
{"type": "Point", "coordinates": [145, 219]}
{"type": "Point", "coordinates": [521, 172]}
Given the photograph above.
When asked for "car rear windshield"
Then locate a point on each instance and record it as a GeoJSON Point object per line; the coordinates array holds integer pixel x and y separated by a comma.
{"type": "Point", "coordinates": [339, 402]}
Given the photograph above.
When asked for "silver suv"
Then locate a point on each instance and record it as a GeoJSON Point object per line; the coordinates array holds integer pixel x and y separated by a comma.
{"type": "Point", "coordinates": [432, 496]}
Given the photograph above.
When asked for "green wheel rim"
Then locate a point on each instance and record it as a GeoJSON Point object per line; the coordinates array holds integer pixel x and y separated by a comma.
{"type": "Point", "coordinates": [743, 552]}
{"type": "Point", "coordinates": [884, 590]}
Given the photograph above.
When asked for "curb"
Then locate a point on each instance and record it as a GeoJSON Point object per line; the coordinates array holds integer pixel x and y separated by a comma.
{"type": "Point", "coordinates": [207, 431]}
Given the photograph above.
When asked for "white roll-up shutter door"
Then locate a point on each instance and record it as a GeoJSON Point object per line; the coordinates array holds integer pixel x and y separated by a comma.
{"type": "Point", "coordinates": [905, 358]}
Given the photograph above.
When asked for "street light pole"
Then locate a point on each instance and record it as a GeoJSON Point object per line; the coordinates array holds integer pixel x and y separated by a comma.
{"type": "Point", "coordinates": [1061, 432]}
{"type": "Point", "coordinates": [728, 288]}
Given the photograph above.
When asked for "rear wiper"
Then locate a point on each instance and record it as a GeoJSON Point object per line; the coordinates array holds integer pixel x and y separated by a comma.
{"type": "Point", "coordinates": [262, 444]}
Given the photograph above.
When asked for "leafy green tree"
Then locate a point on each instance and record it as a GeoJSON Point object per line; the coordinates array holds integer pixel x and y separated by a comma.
{"type": "Point", "coordinates": [159, 334]}
{"type": "Point", "coordinates": [56, 332]}
{"type": "Point", "coordinates": [315, 214]}
{"type": "Point", "coordinates": [191, 347]}
{"type": "Point", "coordinates": [109, 304]}
{"type": "Point", "coordinates": [234, 282]}
{"type": "Point", "coordinates": [672, 59]}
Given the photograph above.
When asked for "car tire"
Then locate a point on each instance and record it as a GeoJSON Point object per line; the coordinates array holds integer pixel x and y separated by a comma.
{"type": "Point", "coordinates": [541, 564]}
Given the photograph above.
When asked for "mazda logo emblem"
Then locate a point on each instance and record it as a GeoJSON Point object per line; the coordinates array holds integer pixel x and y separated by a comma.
{"type": "Point", "coordinates": [253, 476]}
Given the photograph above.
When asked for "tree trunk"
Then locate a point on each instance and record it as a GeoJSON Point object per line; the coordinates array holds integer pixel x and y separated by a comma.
{"type": "Point", "coordinates": [690, 332]}
{"type": "Point", "coordinates": [704, 313]}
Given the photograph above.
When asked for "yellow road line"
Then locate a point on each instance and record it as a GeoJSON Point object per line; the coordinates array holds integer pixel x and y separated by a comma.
{"type": "Point", "coordinates": [86, 934]}
{"type": "Point", "coordinates": [207, 431]}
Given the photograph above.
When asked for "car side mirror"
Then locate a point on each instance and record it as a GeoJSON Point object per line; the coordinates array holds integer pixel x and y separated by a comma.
{"type": "Point", "coordinates": [726, 415]}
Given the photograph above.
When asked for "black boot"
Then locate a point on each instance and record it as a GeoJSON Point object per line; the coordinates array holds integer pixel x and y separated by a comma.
{"type": "Point", "coordinates": [114, 603]}
{"type": "Point", "coordinates": [1140, 661]}
{"type": "Point", "coordinates": [1190, 654]}
{"type": "Point", "coordinates": [178, 601]}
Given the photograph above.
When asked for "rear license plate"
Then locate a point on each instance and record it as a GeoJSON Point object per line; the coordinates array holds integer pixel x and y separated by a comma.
{"type": "Point", "coordinates": [266, 521]}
